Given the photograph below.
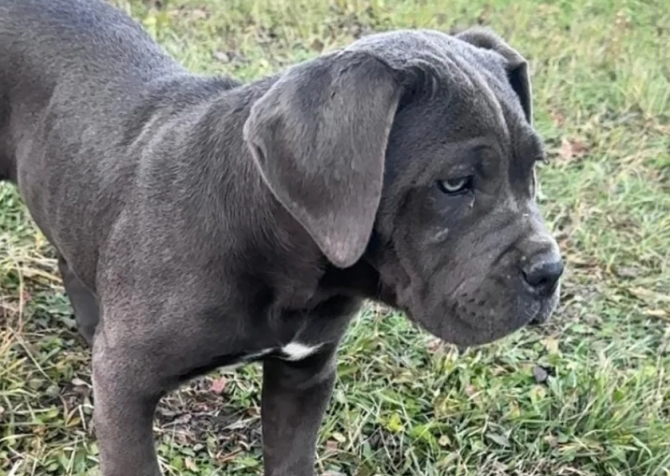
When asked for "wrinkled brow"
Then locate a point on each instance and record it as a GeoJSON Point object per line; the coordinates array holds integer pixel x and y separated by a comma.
{"type": "Point", "coordinates": [528, 147]}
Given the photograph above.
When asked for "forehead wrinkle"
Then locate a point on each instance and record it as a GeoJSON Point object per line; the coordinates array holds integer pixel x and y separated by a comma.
{"type": "Point", "coordinates": [506, 124]}
{"type": "Point", "coordinates": [526, 144]}
{"type": "Point", "coordinates": [482, 93]}
{"type": "Point", "coordinates": [521, 171]}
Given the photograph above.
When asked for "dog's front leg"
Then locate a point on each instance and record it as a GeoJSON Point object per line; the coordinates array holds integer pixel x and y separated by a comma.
{"type": "Point", "coordinates": [125, 394]}
{"type": "Point", "coordinates": [294, 398]}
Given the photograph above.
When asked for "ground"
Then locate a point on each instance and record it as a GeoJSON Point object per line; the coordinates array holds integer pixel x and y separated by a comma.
{"type": "Point", "coordinates": [589, 394]}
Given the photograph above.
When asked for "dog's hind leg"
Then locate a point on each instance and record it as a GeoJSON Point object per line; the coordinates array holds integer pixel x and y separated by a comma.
{"type": "Point", "coordinates": [84, 302]}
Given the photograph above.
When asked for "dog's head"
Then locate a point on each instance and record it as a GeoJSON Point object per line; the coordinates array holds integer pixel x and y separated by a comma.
{"type": "Point", "coordinates": [415, 151]}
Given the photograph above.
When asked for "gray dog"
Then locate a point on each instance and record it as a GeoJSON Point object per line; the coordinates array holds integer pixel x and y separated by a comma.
{"type": "Point", "coordinates": [201, 222]}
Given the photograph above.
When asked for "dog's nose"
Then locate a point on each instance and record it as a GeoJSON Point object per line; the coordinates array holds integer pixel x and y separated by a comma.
{"type": "Point", "coordinates": [543, 271]}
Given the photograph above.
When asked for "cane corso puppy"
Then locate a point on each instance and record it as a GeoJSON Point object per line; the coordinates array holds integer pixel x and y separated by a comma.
{"type": "Point", "coordinates": [202, 222]}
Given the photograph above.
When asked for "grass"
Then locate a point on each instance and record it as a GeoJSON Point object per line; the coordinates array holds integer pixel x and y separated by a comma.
{"type": "Point", "coordinates": [589, 394]}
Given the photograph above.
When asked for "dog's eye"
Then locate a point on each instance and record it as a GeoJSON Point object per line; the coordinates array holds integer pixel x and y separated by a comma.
{"type": "Point", "coordinates": [455, 186]}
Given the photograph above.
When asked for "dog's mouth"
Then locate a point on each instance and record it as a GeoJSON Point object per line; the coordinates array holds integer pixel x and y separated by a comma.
{"type": "Point", "coordinates": [470, 324]}
{"type": "Point", "coordinates": [547, 309]}
{"type": "Point", "coordinates": [476, 311]}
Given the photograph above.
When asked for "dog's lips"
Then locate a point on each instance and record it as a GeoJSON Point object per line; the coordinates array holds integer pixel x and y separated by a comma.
{"type": "Point", "coordinates": [540, 316]}
{"type": "Point", "coordinates": [487, 329]}
{"type": "Point", "coordinates": [547, 309]}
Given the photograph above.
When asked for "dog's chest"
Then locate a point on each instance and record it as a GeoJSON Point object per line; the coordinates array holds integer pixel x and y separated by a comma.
{"type": "Point", "coordinates": [291, 352]}
{"type": "Point", "coordinates": [297, 337]}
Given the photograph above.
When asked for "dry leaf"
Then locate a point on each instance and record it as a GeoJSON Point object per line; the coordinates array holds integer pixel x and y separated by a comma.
{"type": "Point", "coordinates": [648, 295]}
{"type": "Point", "coordinates": [199, 14]}
{"type": "Point", "coordinates": [218, 385]}
{"type": "Point", "coordinates": [660, 313]}
{"type": "Point", "coordinates": [551, 345]}
{"type": "Point", "coordinates": [222, 56]}
{"type": "Point", "coordinates": [435, 345]}
{"type": "Point", "coordinates": [339, 437]}
{"type": "Point", "coordinates": [628, 272]}
{"type": "Point", "coordinates": [190, 464]}
{"type": "Point", "coordinates": [317, 45]}
{"type": "Point", "coordinates": [331, 446]}
{"type": "Point", "coordinates": [77, 382]}
{"type": "Point", "coordinates": [558, 118]}
{"type": "Point", "coordinates": [551, 441]}
{"type": "Point", "coordinates": [571, 150]}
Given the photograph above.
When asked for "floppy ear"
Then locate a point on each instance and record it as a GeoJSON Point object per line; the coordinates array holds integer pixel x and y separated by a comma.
{"type": "Point", "coordinates": [319, 137]}
{"type": "Point", "coordinates": [517, 66]}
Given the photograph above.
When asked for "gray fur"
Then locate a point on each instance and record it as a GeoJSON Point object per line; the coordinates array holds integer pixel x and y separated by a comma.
{"type": "Point", "coordinates": [202, 222]}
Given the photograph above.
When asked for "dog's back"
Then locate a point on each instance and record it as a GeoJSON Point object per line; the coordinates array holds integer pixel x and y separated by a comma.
{"type": "Point", "coordinates": [94, 115]}
{"type": "Point", "coordinates": [82, 54]}
{"type": "Point", "coordinates": [55, 38]}
{"type": "Point", "coordinates": [72, 75]}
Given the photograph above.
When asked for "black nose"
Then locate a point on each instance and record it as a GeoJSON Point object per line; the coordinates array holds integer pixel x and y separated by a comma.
{"type": "Point", "coordinates": [542, 272]}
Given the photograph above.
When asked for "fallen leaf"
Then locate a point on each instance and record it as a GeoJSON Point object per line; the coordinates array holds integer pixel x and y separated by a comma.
{"type": "Point", "coordinates": [551, 345]}
{"type": "Point", "coordinates": [77, 382]}
{"type": "Point", "coordinates": [551, 441]}
{"type": "Point", "coordinates": [218, 385]}
{"type": "Point", "coordinates": [538, 392]}
{"type": "Point", "coordinates": [317, 45]}
{"type": "Point", "coordinates": [660, 313]}
{"type": "Point", "coordinates": [331, 446]}
{"type": "Point", "coordinates": [190, 464]}
{"type": "Point", "coordinates": [434, 345]}
{"type": "Point", "coordinates": [558, 118]}
{"type": "Point", "coordinates": [222, 56]}
{"type": "Point", "coordinates": [339, 437]}
{"type": "Point", "coordinates": [648, 295]}
{"type": "Point", "coordinates": [628, 272]}
{"type": "Point", "coordinates": [199, 14]}
{"type": "Point", "coordinates": [571, 150]}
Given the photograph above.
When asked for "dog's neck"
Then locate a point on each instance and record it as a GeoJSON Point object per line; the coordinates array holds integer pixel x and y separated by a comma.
{"type": "Point", "coordinates": [214, 111]}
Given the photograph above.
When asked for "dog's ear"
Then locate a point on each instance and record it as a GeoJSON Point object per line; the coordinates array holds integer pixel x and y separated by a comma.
{"type": "Point", "coordinates": [517, 66]}
{"type": "Point", "coordinates": [319, 137]}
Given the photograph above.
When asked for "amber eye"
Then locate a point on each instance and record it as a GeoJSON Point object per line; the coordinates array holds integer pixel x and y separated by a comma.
{"type": "Point", "coordinates": [455, 186]}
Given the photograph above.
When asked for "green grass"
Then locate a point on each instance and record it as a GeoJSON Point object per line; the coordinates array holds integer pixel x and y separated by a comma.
{"type": "Point", "coordinates": [403, 404]}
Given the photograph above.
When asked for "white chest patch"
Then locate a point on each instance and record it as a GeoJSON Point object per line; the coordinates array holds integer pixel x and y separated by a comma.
{"type": "Point", "coordinates": [296, 351]}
